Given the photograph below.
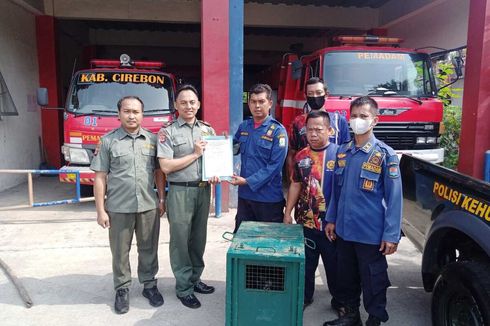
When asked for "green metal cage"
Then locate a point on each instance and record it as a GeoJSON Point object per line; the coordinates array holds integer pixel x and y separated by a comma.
{"type": "Point", "coordinates": [265, 275]}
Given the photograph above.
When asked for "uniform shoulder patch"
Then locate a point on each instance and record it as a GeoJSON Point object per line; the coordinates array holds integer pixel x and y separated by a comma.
{"type": "Point", "coordinates": [393, 166]}
{"type": "Point", "coordinates": [162, 137]}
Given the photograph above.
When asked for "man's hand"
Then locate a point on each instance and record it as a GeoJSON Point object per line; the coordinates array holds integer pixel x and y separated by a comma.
{"type": "Point", "coordinates": [214, 180]}
{"type": "Point", "coordinates": [199, 147]}
{"type": "Point", "coordinates": [237, 180]}
{"type": "Point", "coordinates": [388, 248]}
{"type": "Point", "coordinates": [161, 207]}
{"type": "Point", "coordinates": [330, 232]}
{"type": "Point", "coordinates": [103, 219]}
{"type": "Point", "coordinates": [287, 219]}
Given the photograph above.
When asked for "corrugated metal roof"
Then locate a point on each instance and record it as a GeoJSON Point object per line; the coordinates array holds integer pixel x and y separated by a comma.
{"type": "Point", "coordinates": [327, 3]}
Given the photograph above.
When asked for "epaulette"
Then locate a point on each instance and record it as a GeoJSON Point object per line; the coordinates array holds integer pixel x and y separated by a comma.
{"type": "Point", "coordinates": [385, 148]}
{"type": "Point", "coordinates": [204, 123]}
{"type": "Point", "coordinates": [169, 123]}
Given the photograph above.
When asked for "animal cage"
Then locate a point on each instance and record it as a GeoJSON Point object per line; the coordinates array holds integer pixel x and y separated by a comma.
{"type": "Point", "coordinates": [265, 275]}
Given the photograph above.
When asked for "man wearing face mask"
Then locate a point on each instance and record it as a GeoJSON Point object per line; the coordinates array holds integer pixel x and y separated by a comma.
{"type": "Point", "coordinates": [364, 217]}
{"type": "Point", "coordinates": [316, 93]}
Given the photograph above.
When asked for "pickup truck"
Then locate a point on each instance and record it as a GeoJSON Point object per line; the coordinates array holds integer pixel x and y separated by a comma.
{"type": "Point", "coordinates": [447, 216]}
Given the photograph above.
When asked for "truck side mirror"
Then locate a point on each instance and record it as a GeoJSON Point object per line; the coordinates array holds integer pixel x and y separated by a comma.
{"type": "Point", "coordinates": [42, 96]}
{"type": "Point", "coordinates": [296, 67]}
{"type": "Point", "coordinates": [458, 65]}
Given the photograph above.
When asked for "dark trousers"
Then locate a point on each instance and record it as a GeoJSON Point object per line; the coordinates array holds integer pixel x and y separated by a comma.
{"type": "Point", "coordinates": [325, 249]}
{"type": "Point", "coordinates": [251, 210]}
{"type": "Point", "coordinates": [362, 267]}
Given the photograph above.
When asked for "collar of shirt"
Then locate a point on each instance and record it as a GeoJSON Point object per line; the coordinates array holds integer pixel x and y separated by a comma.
{"type": "Point", "coordinates": [182, 122]}
{"type": "Point", "coordinates": [121, 133]}
{"type": "Point", "coordinates": [366, 148]}
{"type": "Point", "coordinates": [264, 123]}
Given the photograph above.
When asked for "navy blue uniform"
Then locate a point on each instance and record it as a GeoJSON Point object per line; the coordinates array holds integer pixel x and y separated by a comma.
{"type": "Point", "coordinates": [263, 152]}
{"type": "Point", "coordinates": [366, 208]}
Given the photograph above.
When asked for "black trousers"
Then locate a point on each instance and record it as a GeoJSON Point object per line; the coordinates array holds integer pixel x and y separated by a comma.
{"type": "Point", "coordinates": [251, 210]}
{"type": "Point", "coordinates": [325, 249]}
{"type": "Point", "coordinates": [362, 267]}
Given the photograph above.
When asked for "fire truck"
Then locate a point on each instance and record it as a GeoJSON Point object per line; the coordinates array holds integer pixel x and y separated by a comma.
{"type": "Point", "coordinates": [401, 80]}
{"type": "Point", "coordinates": [91, 108]}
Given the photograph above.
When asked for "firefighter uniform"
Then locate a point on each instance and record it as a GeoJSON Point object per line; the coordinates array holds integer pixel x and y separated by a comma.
{"type": "Point", "coordinates": [188, 202]}
{"type": "Point", "coordinates": [130, 162]}
{"type": "Point", "coordinates": [263, 152]}
{"type": "Point", "coordinates": [366, 208]}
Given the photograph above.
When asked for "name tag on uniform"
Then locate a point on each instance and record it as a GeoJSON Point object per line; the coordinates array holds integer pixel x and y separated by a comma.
{"type": "Point", "coordinates": [371, 167]}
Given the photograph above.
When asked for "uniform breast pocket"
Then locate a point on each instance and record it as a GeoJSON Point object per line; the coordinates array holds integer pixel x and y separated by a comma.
{"type": "Point", "coordinates": [242, 143]}
{"type": "Point", "coordinates": [264, 148]}
{"type": "Point", "coordinates": [180, 143]}
{"type": "Point", "coordinates": [339, 176]}
{"type": "Point", "coordinates": [368, 181]}
{"type": "Point", "coordinates": [148, 158]}
{"type": "Point", "coordinates": [121, 158]}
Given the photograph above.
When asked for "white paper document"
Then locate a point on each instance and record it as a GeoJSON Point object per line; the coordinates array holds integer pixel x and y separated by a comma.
{"type": "Point", "coordinates": [217, 159]}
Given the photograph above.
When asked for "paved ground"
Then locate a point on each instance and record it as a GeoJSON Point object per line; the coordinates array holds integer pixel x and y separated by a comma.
{"type": "Point", "coordinates": [62, 258]}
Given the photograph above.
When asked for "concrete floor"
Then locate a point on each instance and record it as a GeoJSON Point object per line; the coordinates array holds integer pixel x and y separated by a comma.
{"type": "Point", "coordinates": [62, 258]}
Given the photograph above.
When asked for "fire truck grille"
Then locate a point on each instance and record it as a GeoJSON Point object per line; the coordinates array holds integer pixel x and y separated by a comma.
{"type": "Point", "coordinates": [398, 141]}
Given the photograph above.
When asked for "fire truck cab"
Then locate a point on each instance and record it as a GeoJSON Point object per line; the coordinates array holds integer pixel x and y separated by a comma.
{"type": "Point", "coordinates": [91, 107]}
{"type": "Point", "coordinates": [401, 80]}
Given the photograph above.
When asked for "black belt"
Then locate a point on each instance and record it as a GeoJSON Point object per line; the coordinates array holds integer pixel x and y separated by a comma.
{"type": "Point", "coordinates": [200, 184]}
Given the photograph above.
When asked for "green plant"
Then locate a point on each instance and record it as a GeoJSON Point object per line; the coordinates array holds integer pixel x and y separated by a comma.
{"type": "Point", "coordinates": [451, 118]}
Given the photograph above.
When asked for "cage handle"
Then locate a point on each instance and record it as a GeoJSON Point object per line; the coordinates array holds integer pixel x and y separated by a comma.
{"type": "Point", "coordinates": [228, 236]}
{"type": "Point", "coordinates": [310, 243]}
{"type": "Point", "coordinates": [257, 249]}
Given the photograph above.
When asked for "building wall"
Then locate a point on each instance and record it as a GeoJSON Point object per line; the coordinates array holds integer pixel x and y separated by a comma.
{"type": "Point", "coordinates": [19, 135]}
{"type": "Point", "coordinates": [441, 23]}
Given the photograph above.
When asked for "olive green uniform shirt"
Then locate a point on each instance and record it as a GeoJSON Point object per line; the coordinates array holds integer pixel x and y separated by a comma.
{"type": "Point", "coordinates": [130, 163]}
{"type": "Point", "coordinates": [177, 140]}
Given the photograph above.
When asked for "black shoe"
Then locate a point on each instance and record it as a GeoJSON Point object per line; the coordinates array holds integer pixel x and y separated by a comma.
{"type": "Point", "coordinates": [350, 318]}
{"type": "Point", "coordinates": [373, 321]}
{"type": "Point", "coordinates": [121, 305]}
{"type": "Point", "coordinates": [337, 306]}
{"type": "Point", "coordinates": [154, 296]}
{"type": "Point", "coordinates": [190, 301]}
{"type": "Point", "coordinates": [307, 302]}
{"type": "Point", "coordinates": [203, 288]}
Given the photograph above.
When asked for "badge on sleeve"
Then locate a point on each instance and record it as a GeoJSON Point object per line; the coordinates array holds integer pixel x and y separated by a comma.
{"type": "Point", "coordinates": [282, 141]}
{"type": "Point", "coordinates": [393, 167]}
{"type": "Point", "coordinates": [161, 136]}
{"type": "Point", "coordinates": [97, 148]}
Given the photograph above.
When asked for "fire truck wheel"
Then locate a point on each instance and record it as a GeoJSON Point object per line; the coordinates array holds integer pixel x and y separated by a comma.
{"type": "Point", "coordinates": [86, 191]}
{"type": "Point", "coordinates": [462, 295]}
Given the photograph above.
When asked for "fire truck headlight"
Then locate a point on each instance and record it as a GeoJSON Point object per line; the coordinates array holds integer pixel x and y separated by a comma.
{"type": "Point", "coordinates": [431, 140]}
{"type": "Point", "coordinates": [76, 155]}
{"type": "Point", "coordinates": [421, 140]}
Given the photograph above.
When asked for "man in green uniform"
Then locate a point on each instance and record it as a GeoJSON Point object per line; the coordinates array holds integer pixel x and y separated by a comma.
{"type": "Point", "coordinates": [180, 147]}
{"type": "Point", "coordinates": [126, 170]}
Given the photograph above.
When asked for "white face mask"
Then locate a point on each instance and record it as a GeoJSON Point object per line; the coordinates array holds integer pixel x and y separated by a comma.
{"type": "Point", "coordinates": [360, 126]}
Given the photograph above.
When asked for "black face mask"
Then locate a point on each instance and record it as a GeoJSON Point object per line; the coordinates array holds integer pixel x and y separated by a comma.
{"type": "Point", "coordinates": [315, 102]}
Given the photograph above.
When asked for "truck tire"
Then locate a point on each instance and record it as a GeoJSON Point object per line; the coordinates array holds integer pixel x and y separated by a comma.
{"type": "Point", "coordinates": [462, 295]}
{"type": "Point", "coordinates": [86, 190]}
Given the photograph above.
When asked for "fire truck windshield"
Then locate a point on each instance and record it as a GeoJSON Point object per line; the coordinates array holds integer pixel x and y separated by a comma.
{"type": "Point", "coordinates": [98, 92]}
{"type": "Point", "coordinates": [379, 73]}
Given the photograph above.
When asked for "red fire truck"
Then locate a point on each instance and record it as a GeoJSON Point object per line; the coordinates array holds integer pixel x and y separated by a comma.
{"type": "Point", "coordinates": [91, 107]}
{"type": "Point", "coordinates": [401, 80]}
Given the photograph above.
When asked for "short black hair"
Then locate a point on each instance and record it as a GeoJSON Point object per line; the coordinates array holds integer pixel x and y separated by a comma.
{"type": "Point", "coordinates": [186, 87]}
{"type": "Point", "coordinates": [316, 80]}
{"type": "Point", "coordinates": [261, 88]}
{"type": "Point", "coordinates": [319, 114]}
{"type": "Point", "coordinates": [130, 97]}
{"type": "Point", "coordinates": [365, 100]}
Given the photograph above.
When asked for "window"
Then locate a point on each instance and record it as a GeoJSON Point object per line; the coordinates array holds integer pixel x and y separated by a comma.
{"type": "Point", "coordinates": [7, 106]}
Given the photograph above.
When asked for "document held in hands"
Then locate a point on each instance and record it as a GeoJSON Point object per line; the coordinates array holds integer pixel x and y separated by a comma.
{"type": "Point", "coordinates": [217, 159]}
